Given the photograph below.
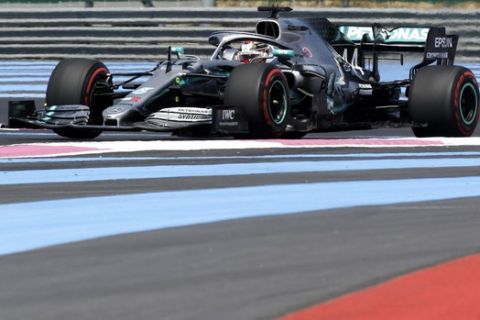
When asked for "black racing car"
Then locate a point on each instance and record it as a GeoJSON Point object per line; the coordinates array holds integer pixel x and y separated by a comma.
{"type": "Point", "coordinates": [291, 77]}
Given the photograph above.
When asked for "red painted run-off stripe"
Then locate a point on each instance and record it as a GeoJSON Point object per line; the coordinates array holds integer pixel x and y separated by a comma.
{"type": "Point", "coordinates": [54, 149]}
{"type": "Point", "coordinates": [449, 291]}
{"type": "Point", "coordinates": [27, 150]}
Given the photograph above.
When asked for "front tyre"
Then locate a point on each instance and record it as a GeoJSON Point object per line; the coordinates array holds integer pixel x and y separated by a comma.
{"type": "Point", "coordinates": [445, 100]}
{"type": "Point", "coordinates": [260, 90]}
{"type": "Point", "coordinates": [80, 81]}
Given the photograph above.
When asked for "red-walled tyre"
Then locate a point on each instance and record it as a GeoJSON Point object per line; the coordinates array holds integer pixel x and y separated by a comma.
{"type": "Point", "coordinates": [78, 81]}
{"type": "Point", "coordinates": [261, 91]}
{"type": "Point", "coordinates": [445, 100]}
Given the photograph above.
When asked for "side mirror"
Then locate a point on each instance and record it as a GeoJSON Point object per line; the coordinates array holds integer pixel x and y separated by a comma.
{"type": "Point", "coordinates": [178, 51]}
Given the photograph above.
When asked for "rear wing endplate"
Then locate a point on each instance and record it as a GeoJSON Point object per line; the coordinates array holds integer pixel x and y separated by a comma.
{"type": "Point", "coordinates": [440, 46]}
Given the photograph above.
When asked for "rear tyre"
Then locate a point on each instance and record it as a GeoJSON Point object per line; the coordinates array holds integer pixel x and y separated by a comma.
{"type": "Point", "coordinates": [260, 90]}
{"type": "Point", "coordinates": [79, 81]}
{"type": "Point", "coordinates": [445, 100]}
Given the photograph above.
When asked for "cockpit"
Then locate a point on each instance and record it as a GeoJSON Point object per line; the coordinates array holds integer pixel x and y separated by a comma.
{"type": "Point", "coordinates": [247, 51]}
{"type": "Point", "coordinates": [246, 48]}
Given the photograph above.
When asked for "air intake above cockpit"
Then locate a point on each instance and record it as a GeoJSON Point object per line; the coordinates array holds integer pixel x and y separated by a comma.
{"type": "Point", "coordinates": [268, 28]}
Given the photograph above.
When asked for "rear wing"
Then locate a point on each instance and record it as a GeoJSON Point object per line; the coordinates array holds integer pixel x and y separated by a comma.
{"type": "Point", "coordinates": [434, 41]}
{"type": "Point", "coordinates": [406, 38]}
{"type": "Point", "coordinates": [436, 45]}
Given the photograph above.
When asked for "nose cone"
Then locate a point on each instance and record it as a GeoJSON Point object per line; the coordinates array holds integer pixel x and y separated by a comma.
{"type": "Point", "coordinates": [115, 112]}
{"type": "Point", "coordinates": [119, 115]}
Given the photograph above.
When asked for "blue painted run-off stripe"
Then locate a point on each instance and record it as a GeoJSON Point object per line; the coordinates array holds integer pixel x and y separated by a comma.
{"type": "Point", "coordinates": [26, 226]}
{"type": "Point", "coordinates": [177, 171]}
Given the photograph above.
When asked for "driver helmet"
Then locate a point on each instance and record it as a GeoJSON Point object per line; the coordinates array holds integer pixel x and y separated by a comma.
{"type": "Point", "coordinates": [230, 54]}
{"type": "Point", "coordinates": [250, 50]}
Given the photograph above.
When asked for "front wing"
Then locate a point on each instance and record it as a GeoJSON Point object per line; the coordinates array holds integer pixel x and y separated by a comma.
{"type": "Point", "coordinates": [222, 119]}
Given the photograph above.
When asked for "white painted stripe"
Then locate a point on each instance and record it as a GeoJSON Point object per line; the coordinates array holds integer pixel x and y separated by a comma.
{"type": "Point", "coordinates": [25, 95]}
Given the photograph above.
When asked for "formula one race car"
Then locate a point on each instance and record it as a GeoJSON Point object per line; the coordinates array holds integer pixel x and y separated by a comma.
{"type": "Point", "coordinates": [291, 77]}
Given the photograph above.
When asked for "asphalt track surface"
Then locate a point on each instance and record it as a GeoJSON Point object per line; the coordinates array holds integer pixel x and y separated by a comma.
{"type": "Point", "coordinates": [237, 255]}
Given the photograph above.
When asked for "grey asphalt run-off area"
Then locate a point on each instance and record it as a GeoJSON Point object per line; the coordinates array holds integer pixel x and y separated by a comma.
{"type": "Point", "coordinates": [256, 268]}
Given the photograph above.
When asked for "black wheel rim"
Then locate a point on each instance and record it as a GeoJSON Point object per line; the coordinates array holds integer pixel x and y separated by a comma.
{"type": "Point", "coordinates": [468, 103]}
{"type": "Point", "coordinates": [277, 101]}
